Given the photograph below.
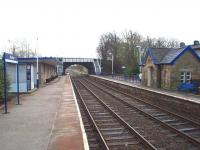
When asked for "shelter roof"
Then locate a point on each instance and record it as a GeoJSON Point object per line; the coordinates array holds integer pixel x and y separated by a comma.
{"type": "Point", "coordinates": [47, 60]}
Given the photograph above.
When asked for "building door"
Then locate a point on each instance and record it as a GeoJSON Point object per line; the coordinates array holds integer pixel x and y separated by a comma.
{"type": "Point", "coordinates": [32, 76]}
{"type": "Point", "coordinates": [28, 72]}
{"type": "Point", "coordinates": [149, 76]}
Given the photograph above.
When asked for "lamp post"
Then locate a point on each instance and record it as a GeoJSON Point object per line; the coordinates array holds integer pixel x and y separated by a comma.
{"type": "Point", "coordinates": [112, 61]}
{"type": "Point", "coordinates": [140, 57]}
{"type": "Point", "coordinates": [99, 62]}
{"type": "Point", "coordinates": [37, 63]}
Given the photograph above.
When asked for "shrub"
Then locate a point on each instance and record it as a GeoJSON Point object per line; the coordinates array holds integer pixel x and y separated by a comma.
{"type": "Point", "coordinates": [2, 81]}
{"type": "Point", "coordinates": [130, 70]}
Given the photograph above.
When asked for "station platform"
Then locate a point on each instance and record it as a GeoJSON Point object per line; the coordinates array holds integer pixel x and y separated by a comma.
{"type": "Point", "coordinates": [68, 132]}
{"type": "Point", "coordinates": [47, 119]}
{"type": "Point", "coordinates": [176, 94]}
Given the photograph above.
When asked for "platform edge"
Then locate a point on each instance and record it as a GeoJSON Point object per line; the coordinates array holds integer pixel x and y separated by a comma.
{"type": "Point", "coordinates": [85, 141]}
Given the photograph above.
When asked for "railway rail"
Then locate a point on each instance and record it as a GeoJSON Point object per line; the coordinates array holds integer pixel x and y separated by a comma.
{"type": "Point", "coordinates": [159, 128]}
{"type": "Point", "coordinates": [181, 125]}
{"type": "Point", "coordinates": [112, 131]}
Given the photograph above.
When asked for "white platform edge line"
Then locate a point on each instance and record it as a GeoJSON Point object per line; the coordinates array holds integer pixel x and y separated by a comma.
{"type": "Point", "coordinates": [179, 97]}
{"type": "Point", "coordinates": [85, 141]}
{"type": "Point", "coordinates": [52, 129]}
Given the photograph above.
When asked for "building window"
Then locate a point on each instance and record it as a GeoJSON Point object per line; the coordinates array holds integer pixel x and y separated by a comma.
{"type": "Point", "coordinates": [186, 76]}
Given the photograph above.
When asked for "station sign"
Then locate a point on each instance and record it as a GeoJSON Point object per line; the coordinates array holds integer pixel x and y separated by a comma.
{"type": "Point", "coordinates": [10, 58]}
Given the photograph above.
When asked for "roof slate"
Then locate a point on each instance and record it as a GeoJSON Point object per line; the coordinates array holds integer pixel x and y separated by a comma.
{"type": "Point", "coordinates": [47, 60]}
{"type": "Point", "coordinates": [198, 53]}
{"type": "Point", "coordinates": [159, 53]}
{"type": "Point", "coordinates": [168, 55]}
{"type": "Point", "coordinates": [171, 55]}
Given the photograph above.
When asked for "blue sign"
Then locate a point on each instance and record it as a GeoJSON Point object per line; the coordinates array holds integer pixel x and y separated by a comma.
{"type": "Point", "coordinates": [10, 58]}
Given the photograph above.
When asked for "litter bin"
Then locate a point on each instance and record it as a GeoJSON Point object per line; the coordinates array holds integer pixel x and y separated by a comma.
{"type": "Point", "coordinates": [198, 91]}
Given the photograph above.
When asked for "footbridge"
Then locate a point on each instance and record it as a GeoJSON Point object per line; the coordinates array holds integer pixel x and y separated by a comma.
{"type": "Point", "coordinates": [92, 64]}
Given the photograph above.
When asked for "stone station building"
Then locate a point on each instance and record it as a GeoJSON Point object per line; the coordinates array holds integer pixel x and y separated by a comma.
{"type": "Point", "coordinates": [167, 68]}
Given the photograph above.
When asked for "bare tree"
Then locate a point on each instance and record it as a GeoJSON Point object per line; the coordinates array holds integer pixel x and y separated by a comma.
{"type": "Point", "coordinates": [125, 51]}
{"type": "Point", "coordinates": [21, 49]}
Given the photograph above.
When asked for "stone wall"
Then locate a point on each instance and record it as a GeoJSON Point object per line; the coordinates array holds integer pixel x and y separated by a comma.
{"type": "Point", "coordinates": [187, 62]}
{"type": "Point", "coordinates": [166, 76]}
{"type": "Point", "coordinates": [149, 64]}
{"type": "Point", "coordinates": [170, 74]}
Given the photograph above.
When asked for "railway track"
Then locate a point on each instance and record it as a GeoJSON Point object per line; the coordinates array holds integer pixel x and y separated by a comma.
{"type": "Point", "coordinates": [178, 132]}
{"type": "Point", "coordinates": [106, 129]}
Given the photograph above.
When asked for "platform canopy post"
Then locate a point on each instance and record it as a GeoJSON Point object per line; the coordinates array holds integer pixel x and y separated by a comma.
{"type": "Point", "coordinates": [5, 84]}
{"type": "Point", "coordinates": [18, 103]}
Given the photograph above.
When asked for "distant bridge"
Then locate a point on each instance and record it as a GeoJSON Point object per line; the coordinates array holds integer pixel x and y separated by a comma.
{"type": "Point", "coordinates": [92, 64]}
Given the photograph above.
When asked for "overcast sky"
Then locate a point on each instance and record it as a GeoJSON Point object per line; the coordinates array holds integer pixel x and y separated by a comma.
{"type": "Point", "coordinates": [72, 28]}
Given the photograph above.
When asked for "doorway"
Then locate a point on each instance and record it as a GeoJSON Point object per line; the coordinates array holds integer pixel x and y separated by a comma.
{"type": "Point", "coordinates": [149, 76]}
{"type": "Point", "coordinates": [30, 76]}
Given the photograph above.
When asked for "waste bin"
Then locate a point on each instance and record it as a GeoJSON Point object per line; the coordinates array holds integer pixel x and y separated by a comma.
{"type": "Point", "coordinates": [199, 91]}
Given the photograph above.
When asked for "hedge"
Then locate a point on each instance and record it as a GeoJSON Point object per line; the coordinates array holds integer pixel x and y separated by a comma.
{"type": "Point", "coordinates": [2, 82]}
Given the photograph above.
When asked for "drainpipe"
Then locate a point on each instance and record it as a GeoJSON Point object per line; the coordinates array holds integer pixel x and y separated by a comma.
{"type": "Point", "coordinates": [37, 64]}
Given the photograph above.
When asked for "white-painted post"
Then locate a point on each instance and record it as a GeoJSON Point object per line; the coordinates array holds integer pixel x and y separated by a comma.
{"type": "Point", "coordinates": [112, 64]}
{"type": "Point", "coordinates": [140, 57]}
{"type": "Point", "coordinates": [112, 61]}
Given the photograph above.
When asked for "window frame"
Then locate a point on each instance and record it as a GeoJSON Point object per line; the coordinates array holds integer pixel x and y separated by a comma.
{"type": "Point", "coordinates": [185, 76]}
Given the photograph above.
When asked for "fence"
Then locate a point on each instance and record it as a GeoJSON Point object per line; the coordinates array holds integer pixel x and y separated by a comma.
{"type": "Point", "coordinates": [128, 78]}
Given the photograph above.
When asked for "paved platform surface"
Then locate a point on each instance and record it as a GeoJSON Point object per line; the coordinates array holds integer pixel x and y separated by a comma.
{"type": "Point", "coordinates": [68, 132]}
{"type": "Point", "coordinates": [181, 95]}
{"type": "Point", "coordinates": [34, 125]}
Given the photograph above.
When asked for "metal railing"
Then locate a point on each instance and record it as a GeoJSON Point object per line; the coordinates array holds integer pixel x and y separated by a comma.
{"type": "Point", "coordinates": [128, 78]}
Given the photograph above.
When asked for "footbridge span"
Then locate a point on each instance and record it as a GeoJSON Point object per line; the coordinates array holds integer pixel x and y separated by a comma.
{"type": "Point", "coordinates": [92, 64]}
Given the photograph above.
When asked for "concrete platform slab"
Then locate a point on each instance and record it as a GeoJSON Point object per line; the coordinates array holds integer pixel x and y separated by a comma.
{"type": "Point", "coordinates": [28, 126]}
{"type": "Point", "coordinates": [47, 119]}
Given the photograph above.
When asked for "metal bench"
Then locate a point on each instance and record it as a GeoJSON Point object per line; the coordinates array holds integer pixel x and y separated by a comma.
{"type": "Point", "coordinates": [188, 87]}
{"type": "Point", "coordinates": [51, 78]}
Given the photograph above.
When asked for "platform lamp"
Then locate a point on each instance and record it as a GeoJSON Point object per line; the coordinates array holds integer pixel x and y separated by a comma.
{"type": "Point", "coordinates": [140, 56]}
{"type": "Point", "coordinates": [37, 63]}
{"type": "Point", "coordinates": [112, 61]}
{"type": "Point", "coordinates": [100, 57]}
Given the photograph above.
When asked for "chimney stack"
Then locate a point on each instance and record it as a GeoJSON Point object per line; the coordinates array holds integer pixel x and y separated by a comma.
{"type": "Point", "coordinates": [182, 44]}
{"type": "Point", "coordinates": [196, 42]}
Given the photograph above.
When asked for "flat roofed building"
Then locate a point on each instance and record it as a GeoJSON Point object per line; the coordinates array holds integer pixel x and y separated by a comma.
{"type": "Point", "coordinates": [11, 71]}
{"type": "Point", "coordinates": [47, 68]}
